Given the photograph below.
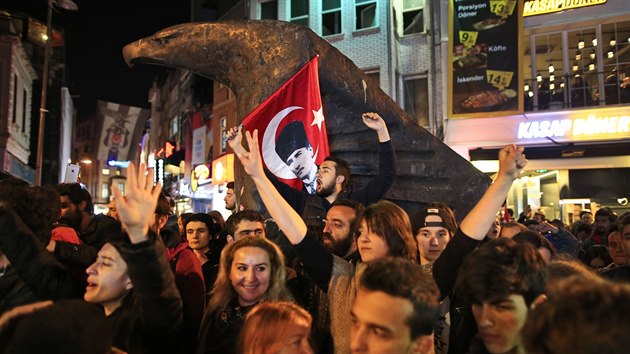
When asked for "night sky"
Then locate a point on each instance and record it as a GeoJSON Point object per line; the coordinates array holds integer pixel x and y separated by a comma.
{"type": "Point", "coordinates": [95, 36]}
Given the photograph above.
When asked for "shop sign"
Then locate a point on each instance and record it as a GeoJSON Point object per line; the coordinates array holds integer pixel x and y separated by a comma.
{"type": "Point", "coordinates": [199, 176]}
{"type": "Point", "coordinates": [223, 169]}
{"type": "Point", "coordinates": [484, 65]}
{"type": "Point", "coordinates": [541, 7]}
{"type": "Point", "coordinates": [588, 128]}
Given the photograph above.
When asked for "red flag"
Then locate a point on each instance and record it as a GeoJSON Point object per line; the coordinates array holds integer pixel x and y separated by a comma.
{"type": "Point", "coordinates": [506, 214]}
{"type": "Point", "coordinates": [291, 129]}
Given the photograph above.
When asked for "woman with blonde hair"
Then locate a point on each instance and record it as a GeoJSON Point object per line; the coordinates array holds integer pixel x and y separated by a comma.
{"type": "Point", "coordinates": [276, 328]}
{"type": "Point", "coordinates": [251, 271]}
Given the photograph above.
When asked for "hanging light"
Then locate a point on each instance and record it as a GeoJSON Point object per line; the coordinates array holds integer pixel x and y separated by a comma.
{"type": "Point", "coordinates": [594, 41]}
{"type": "Point", "coordinates": [562, 85]}
{"type": "Point", "coordinates": [539, 77]}
{"type": "Point", "coordinates": [578, 55]}
{"type": "Point", "coordinates": [610, 54]}
{"type": "Point", "coordinates": [613, 41]}
{"type": "Point", "coordinates": [592, 54]}
{"type": "Point", "coordinates": [530, 94]}
{"type": "Point", "coordinates": [526, 87]}
{"type": "Point", "coordinates": [552, 86]}
{"type": "Point", "coordinates": [552, 77]}
{"type": "Point", "coordinates": [551, 68]}
{"type": "Point", "coordinates": [591, 66]}
{"type": "Point", "coordinates": [581, 43]}
{"type": "Point", "coordinates": [575, 66]}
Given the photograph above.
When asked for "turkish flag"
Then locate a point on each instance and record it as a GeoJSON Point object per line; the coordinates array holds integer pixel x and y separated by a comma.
{"type": "Point", "coordinates": [291, 129]}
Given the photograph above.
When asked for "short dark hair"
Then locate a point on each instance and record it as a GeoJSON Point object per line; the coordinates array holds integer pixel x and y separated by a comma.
{"type": "Point", "coordinates": [502, 267]}
{"type": "Point", "coordinates": [236, 218]}
{"type": "Point", "coordinates": [163, 207]}
{"type": "Point", "coordinates": [291, 138]}
{"type": "Point", "coordinates": [535, 239]}
{"type": "Point", "coordinates": [606, 212]}
{"type": "Point", "coordinates": [581, 306]}
{"type": "Point", "coordinates": [583, 227]}
{"type": "Point", "coordinates": [584, 212]}
{"type": "Point", "coordinates": [354, 205]}
{"type": "Point", "coordinates": [342, 168]}
{"type": "Point", "coordinates": [402, 278]}
{"type": "Point", "coordinates": [230, 185]}
{"type": "Point", "coordinates": [76, 194]}
{"type": "Point", "coordinates": [213, 227]}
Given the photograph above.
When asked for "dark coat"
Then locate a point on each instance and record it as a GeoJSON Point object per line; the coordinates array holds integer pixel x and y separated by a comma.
{"type": "Point", "coordinates": [101, 230]}
{"type": "Point", "coordinates": [151, 314]}
{"type": "Point", "coordinates": [445, 269]}
{"type": "Point", "coordinates": [190, 283]}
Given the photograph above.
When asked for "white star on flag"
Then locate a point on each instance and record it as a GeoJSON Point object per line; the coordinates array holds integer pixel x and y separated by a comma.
{"type": "Point", "coordinates": [318, 118]}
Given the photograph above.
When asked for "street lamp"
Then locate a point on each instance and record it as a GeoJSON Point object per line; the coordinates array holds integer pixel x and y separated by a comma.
{"type": "Point", "coordinates": [71, 6]}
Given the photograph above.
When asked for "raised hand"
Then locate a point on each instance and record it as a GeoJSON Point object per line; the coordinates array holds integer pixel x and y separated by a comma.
{"type": "Point", "coordinates": [235, 138]}
{"type": "Point", "coordinates": [251, 160]}
{"type": "Point", "coordinates": [374, 121]}
{"type": "Point", "coordinates": [512, 160]}
{"type": "Point", "coordinates": [136, 209]}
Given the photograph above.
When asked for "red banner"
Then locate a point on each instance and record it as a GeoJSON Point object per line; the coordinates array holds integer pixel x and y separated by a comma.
{"type": "Point", "coordinates": [292, 130]}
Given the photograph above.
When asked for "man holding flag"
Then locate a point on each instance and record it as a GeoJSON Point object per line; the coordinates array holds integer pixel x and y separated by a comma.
{"type": "Point", "coordinates": [291, 151]}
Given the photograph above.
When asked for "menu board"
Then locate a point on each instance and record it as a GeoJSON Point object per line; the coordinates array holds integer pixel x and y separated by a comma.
{"type": "Point", "coordinates": [484, 58]}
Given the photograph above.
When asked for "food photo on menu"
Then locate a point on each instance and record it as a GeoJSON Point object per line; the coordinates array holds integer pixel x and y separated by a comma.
{"type": "Point", "coordinates": [485, 57]}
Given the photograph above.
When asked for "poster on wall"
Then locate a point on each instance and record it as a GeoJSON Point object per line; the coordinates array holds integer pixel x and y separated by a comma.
{"type": "Point", "coordinates": [484, 66]}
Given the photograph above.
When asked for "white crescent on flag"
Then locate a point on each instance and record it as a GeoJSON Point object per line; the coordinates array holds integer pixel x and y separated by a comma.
{"type": "Point", "coordinates": [270, 157]}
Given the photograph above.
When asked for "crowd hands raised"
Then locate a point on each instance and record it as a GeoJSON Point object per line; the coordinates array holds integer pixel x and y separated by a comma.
{"type": "Point", "coordinates": [330, 272]}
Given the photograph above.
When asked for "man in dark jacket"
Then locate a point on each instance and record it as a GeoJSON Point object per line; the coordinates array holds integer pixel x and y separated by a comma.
{"type": "Point", "coordinates": [94, 231]}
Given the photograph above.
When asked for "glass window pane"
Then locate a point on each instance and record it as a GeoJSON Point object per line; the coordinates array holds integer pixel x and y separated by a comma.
{"type": "Point", "coordinates": [357, 2]}
{"type": "Point", "coordinates": [299, 8]}
{"type": "Point", "coordinates": [413, 22]}
{"type": "Point", "coordinates": [584, 84]}
{"type": "Point", "coordinates": [366, 16]}
{"type": "Point", "coordinates": [301, 21]}
{"type": "Point", "coordinates": [417, 100]}
{"type": "Point", "coordinates": [412, 4]}
{"type": "Point", "coordinates": [330, 4]}
{"type": "Point", "coordinates": [549, 72]}
{"type": "Point", "coordinates": [331, 23]}
{"type": "Point", "coordinates": [269, 10]}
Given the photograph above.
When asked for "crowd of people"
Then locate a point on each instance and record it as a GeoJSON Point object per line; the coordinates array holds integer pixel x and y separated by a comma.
{"type": "Point", "coordinates": [336, 271]}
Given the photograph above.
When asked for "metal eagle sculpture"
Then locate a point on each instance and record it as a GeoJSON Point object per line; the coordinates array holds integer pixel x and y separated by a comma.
{"type": "Point", "coordinates": [254, 58]}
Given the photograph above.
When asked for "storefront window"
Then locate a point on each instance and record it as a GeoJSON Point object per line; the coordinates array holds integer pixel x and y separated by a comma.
{"type": "Point", "coordinates": [577, 68]}
{"type": "Point", "coordinates": [616, 58]}
{"type": "Point", "coordinates": [584, 76]}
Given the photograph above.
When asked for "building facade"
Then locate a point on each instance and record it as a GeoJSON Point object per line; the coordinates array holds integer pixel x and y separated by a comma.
{"type": "Point", "coordinates": [395, 42]}
{"type": "Point", "coordinates": [576, 121]}
{"type": "Point", "coordinates": [17, 77]}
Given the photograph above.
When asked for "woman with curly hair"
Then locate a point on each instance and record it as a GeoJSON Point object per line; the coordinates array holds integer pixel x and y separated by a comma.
{"type": "Point", "coordinates": [251, 271]}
